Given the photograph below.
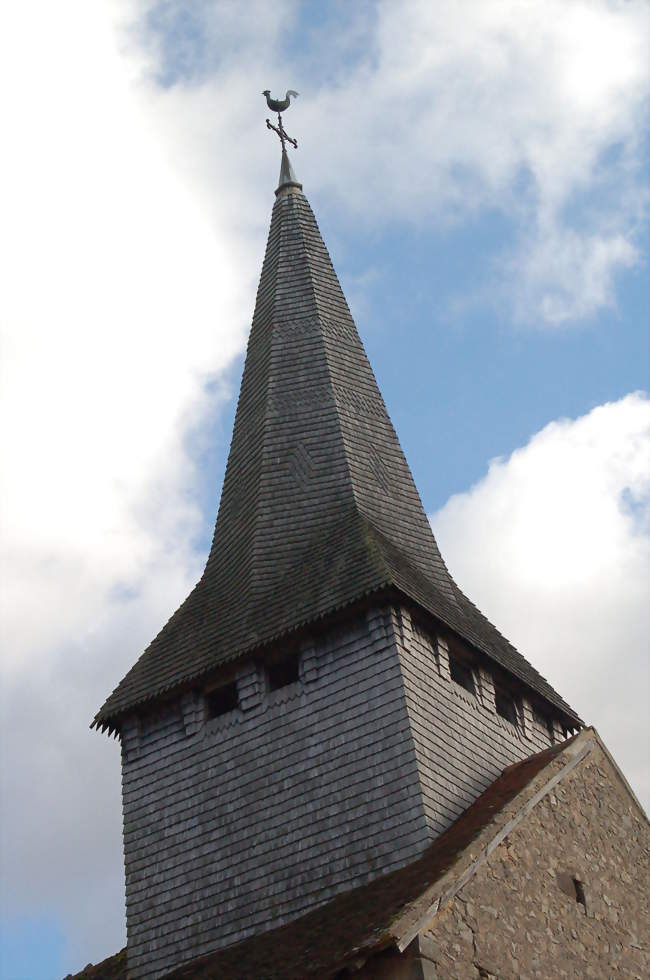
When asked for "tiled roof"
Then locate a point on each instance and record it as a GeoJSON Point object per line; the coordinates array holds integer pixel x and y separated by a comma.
{"type": "Point", "coordinates": [112, 968]}
{"type": "Point", "coordinates": [318, 507]}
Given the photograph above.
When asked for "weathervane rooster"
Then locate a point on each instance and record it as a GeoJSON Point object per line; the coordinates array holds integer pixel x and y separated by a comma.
{"type": "Point", "coordinates": [279, 106]}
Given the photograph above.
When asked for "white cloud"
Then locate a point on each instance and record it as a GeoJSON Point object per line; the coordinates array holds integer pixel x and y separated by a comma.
{"type": "Point", "coordinates": [566, 276]}
{"type": "Point", "coordinates": [120, 300]}
{"type": "Point", "coordinates": [508, 106]}
{"type": "Point", "coordinates": [133, 220]}
{"type": "Point", "coordinates": [553, 544]}
{"type": "Point", "coordinates": [434, 113]}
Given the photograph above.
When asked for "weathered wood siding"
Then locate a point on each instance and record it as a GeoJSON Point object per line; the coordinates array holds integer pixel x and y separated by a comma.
{"type": "Point", "coordinates": [461, 743]}
{"type": "Point", "coordinates": [235, 825]}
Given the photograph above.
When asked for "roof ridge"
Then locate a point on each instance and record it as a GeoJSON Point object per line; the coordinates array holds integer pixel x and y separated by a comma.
{"type": "Point", "coordinates": [361, 401]}
{"type": "Point", "coordinates": [289, 189]}
{"type": "Point", "coordinates": [322, 319]}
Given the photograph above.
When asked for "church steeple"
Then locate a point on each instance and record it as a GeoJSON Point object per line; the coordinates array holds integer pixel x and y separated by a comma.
{"type": "Point", "coordinates": [326, 701]}
{"type": "Point", "coordinates": [318, 507]}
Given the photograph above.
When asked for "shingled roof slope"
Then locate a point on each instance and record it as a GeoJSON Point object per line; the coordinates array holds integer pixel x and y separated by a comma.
{"type": "Point", "coordinates": [318, 507]}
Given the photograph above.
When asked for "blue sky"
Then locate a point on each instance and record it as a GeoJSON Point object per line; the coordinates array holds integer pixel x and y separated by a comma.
{"type": "Point", "coordinates": [462, 389]}
{"type": "Point", "coordinates": [437, 288]}
{"type": "Point", "coordinates": [479, 172]}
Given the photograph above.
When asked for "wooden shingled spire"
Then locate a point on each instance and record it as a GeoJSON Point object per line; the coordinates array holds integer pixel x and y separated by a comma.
{"type": "Point", "coordinates": [318, 508]}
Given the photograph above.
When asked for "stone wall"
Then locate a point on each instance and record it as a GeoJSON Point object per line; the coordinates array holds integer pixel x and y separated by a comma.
{"type": "Point", "coordinates": [522, 914]}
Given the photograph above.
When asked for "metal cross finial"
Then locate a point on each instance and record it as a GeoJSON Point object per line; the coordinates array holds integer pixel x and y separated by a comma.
{"type": "Point", "coordinates": [279, 105]}
{"type": "Point", "coordinates": [279, 129]}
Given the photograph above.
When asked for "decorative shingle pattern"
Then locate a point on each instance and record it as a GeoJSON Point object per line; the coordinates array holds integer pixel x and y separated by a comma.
{"type": "Point", "coordinates": [318, 507]}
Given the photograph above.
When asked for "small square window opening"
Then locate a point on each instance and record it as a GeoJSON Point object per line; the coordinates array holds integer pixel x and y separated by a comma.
{"type": "Point", "coordinates": [506, 706]}
{"type": "Point", "coordinates": [220, 701]}
{"type": "Point", "coordinates": [544, 721]}
{"type": "Point", "coordinates": [281, 673]}
{"type": "Point", "coordinates": [461, 673]}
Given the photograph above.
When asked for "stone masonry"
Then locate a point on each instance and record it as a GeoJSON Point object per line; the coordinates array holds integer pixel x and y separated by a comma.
{"type": "Point", "coordinates": [565, 895]}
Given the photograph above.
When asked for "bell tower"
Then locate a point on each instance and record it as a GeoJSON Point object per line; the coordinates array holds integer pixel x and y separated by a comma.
{"type": "Point", "coordinates": [326, 701]}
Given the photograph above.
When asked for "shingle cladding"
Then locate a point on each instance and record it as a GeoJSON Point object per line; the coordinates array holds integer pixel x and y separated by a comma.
{"type": "Point", "coordinates": [318, 507]}
{"type": "Point", "coordinates": [237, 824]}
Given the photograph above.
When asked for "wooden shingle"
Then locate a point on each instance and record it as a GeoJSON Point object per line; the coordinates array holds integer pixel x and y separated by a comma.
{"type": "Point", "coordinates": [318, 508]}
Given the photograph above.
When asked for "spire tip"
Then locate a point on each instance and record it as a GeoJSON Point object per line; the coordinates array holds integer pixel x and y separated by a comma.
{"type": "Point", "coordinates": [287, 175]}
